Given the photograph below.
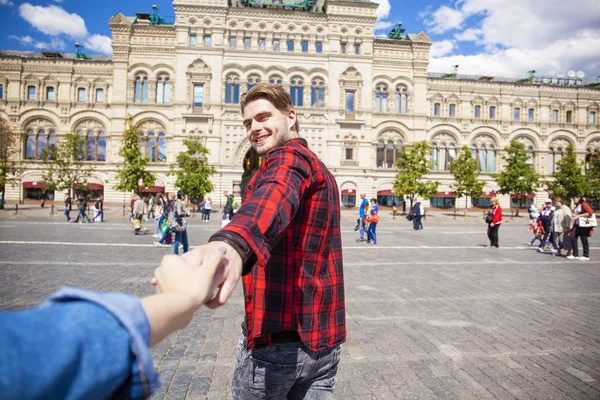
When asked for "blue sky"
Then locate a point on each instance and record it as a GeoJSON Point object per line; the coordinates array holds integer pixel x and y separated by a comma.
{"type": "Point", "coordinates": [488, 37]}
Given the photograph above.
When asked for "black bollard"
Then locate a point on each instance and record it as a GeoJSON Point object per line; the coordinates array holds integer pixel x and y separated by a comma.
{"type": "Point", "coordinates": [52, 210]}
{"type": "Point", "coordinates": [16, 208]}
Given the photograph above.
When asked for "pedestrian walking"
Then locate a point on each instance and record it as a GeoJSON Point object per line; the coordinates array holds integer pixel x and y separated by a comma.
{"type": "Point", "coordinates": [286, 242]}
{"type": "Point", "coordinates": [181, 236]}
{"type": "Point", "coordinates": [99, 206]}
{"type": "Point", "coordinates": [168, 208]}
{"type": "Point", "coordinates": [533, 211]}
{"type": "Point", "coordinates": [417, 211]}
{"type": "Point", "coordinates": [582, 213]}
{"type": "Point", "coordinates": [362, 212]}
{"type": "Point", "coordinates": [139, 210]}
{"type": "Point", "coordinates": [228, 209]}
{"type": "Point", "coordinates": [545, 217]}
{"type": "Point", "coordinates": [494, 224]}
{"type": "Point", "coordinates": [159, 203]}
{"type": "Point", "coordinates": [151, 207]}
{"type": "Point", "coordinates": [373, 221]}
{"type": "Point", "coordinates": [561, 224]}
{"type": "Point", "coordinates": [394, 210]}
{"type": "Point", "coordinates": [68, 207]}
{"type": "Point", "coordinates": [207, 209]}
{"type": "Point", "coordinates": [81, 208]}
{"type": "Point", "coordinates": [43, 196]}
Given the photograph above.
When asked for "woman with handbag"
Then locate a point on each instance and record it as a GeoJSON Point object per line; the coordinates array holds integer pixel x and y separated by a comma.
{"type": "Point", "coordinates": [584, 221]}
{"type": "Point", "coordinates": [494, 224]}
{"type": "Point", "coordinates": [373, 221]}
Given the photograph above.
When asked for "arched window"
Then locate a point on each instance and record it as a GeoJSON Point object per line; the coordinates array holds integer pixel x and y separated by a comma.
{"type": "Point", "coordinates": [401, 99]}
{"type": "Point", "coordinates": [90, 147]}
{"type": "Point", "coordinates": [101, 149]}
{"type": "Point", "coordinates": [442, 155]}
{"type": "Point", "coordinates": [388, 152]}
{"type": "Point", "coordinates": [531, 156]}
{"type": "Point", "coordinates": [555, 155]}
{"type": "Point", "coordinates": [141, 89]}
{"type": "Point", "coordinates": [317, 93]}
{"type": "Point", "coordinates": [153, 146]}
{"type": "Point", "coordinates": [94, 141]}
{"type": "Point", "coordinates": [253, 81]}
{"type": "Point", "coordinates": [40, 143]}
{"type": "Point", "coordinates": [162, 147]}
{"type": "Point", "coordinates": [296, 92]}
{"type": "Point", "coordinates": [380, 98]}
{"type": "Point", "coordinates": [232, 90]}
{"type": "Point", "coordinates": [485, 155]}
{"type": "Point", "coordinates": [275, 80]}
{"type": "Point", "coordinates": [163, 90]}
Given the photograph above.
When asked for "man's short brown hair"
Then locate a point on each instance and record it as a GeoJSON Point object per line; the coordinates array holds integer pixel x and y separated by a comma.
{"type": "Point", "coordinates": [274, 94]}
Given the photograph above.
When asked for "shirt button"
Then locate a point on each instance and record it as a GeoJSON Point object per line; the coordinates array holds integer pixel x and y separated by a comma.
{"type": "Point", "coordinates": [250, 187]}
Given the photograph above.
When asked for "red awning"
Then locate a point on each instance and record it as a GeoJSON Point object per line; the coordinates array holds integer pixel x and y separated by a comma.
{"type": "Point", "coordinates": [445, 194]}
{"type": "Point", "coordinates": [387, 192]}
{"type": "Point", "coordinates": [91, 186]}
{"type": "Point", "coordinates": [39, 185]}
{"type": "Point", "coordinates": [530, 195]}
{"type": "Point", "coordinates": [151, 189]}
{"type": "Point", "coordinates": [488, 194]}
{"type": "Point", "coordinates": [349, 191]}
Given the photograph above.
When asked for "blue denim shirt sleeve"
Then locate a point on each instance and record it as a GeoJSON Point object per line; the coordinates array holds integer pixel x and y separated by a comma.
{"type": "Point", "coordinates": [78, 344]}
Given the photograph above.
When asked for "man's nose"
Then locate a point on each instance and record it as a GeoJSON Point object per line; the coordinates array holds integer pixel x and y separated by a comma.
{"type": "Point", "coordinates": [255, 126]}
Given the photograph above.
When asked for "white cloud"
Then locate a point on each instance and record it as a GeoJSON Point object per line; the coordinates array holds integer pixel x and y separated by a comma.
{"type": "Point", "coordinates": [57, 1]}
{"type": "Point", "coordinates": [444, 19]}
{"type": "Point", "coordinates": [384, 8]}
{"type": "Point", "coordinates": [54, 44]}
{"type": "Point", "coordinates": [441, 48]}
{"type": "Point", "coordinates": [469, 35]}
{"type": "Point", "coordinates": [99, 43]}
{"type": "Point", "coordinates": [380, 25]}
{"type": "Point", "coordinates": [53, 20]}
{"type": "Point", "coordinates": [7, 3]}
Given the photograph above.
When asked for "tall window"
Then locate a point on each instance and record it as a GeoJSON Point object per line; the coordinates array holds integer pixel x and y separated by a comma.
{"type": "Point", "coordinates": [154, 146]}
{"type": "Point", "coordinates": [163, 90]}
{"type": "Point", "coordinates": [401, 100]}
{"type": "Point", "coordinates": [99, 95]}
{"type": "Point", "coordinates": [319, 47]}
{"type": "Point", "coordinates": [350, 105]}
{"type": "Point", "coordinates": [232, 43]}
{"type": "Point", "coordinates": [193, 39]}
{"type": "Point", "coordinates": [31, 92]}
{"type": "Point", "coordinates": [380, 98]}
{"type": "Point", "coordinates": [485, 157]}
{"type": "Point", "coordinates": [141, 89]}
{"type": "Point", "coordinates": [516, 114]}
{"type": "Point", "coordinates": [441, 155]}
{"type": "Point", "coordinates": [592, 118]}
{"type": "Point", "coordinates": [95, 146]}
{"type": "Point", "coordinates": [290, 45]}
{"type": "Point", "coordinates": [198, 95]}
{"type": "Point", "coordinates": [207, 40]}
{"type": "Point", "coordinates": [357, 49]}
{"type": "Point", "coordinates": [304, 46]}
{"type": "Point", "coordinates": [477, 112]}
{"type": "Point", "coordinates": [81, 95]}
{"type": "Point", "coordinates": [296, 92]}
{"type": "Point", "coordinates": [262, 44]}
{"type": "Point", "coordinates": [530, 114]}
{"type": "Point", "coordinates": [569, 116]}
{"type": "Point", "coordinates": [436, 109]}
{"type": "Point", "coordinates": [492, 112]}
{"type": "Point", "coordinates": [276, 45]}
{"type": "Point", "coordinates": [253, 81]}
{"type": "Point", "coordinates": [556, 154]}
{"type": "Point", "coordinates": [232, 90]}
{"type": "Point", "coordinates": [343, 47]}
{"type": "Point", "coordinates": [317, 93]}
{"type": "Point", "coordinates": [452, 110]}
{"type": "Point", "coordinates": [50, 94]}
{"type": "Point", "coordinates": [1, 91]}
{"type": "Point", "coordinates": [554, 115]}
{"type": "Point", "coordinates": [39, 140]}
{"type": "Point", "coordinates": [247, 43]}
{"type": "Point", "coordinates": [388, 152]}
{"type": "Point", "coordinates": [531, 156]}
{"type": "Point", "coordinates": [349, 154]}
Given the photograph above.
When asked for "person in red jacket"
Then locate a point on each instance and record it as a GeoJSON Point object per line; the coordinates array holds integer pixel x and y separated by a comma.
{"type": "Point", "coordinates": [494, 226]}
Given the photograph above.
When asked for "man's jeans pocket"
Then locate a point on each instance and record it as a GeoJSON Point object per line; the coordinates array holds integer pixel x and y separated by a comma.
{"type": "Point", "coordinates": [273, 379]}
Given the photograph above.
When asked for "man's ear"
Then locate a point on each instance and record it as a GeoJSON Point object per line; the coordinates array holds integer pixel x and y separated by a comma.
{"type": "Point", "coordinates": [292, 119]}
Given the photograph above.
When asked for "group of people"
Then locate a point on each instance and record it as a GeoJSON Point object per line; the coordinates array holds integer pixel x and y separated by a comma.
{"type": "Point", "coordinates": [82, 208]}
{"type": "Point", "coordinates": [368, 218]}
{"type": "Point", "coordinates": [558, 228]}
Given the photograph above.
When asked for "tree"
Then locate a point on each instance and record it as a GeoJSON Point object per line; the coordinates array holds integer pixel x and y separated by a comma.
{"type": "Point", "coordinates": [569, 178]}
{"type": "Point", "coordinates": [592, 173]}
{"type": "Point", "coordinates": [465, 172]}
{"type": "Point", "coordinates": [10, 172]}
{"type": "Point", "coordinates": [193, 171]}
{"type": "Point", "coordinates": [518, 177]}
{"type": "Point", "coordinates": [65, 165]}
{"type": "Point", "coordinates": [133, 169]}
{"type": "Point", "coordinates": [412, 165]}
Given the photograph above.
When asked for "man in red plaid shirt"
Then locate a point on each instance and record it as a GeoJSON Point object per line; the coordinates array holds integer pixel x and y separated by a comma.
{"type": "Point", "coordinates": [285, 242]}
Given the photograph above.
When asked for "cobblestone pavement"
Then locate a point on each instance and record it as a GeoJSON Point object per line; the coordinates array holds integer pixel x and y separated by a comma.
{"type": "Point", "coordinates": [431, 313]}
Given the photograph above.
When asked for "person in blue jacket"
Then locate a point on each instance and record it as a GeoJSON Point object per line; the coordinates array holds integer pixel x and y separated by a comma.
{"type": "Point", "coordinates": [81, 344]}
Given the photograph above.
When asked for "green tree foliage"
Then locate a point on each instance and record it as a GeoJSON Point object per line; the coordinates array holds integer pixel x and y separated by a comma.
{"type": "Point", "coordinates": [133, 169]}
{"type": "Point", "coordinates": [10, 172]}
{"type": "Point", "coordinates": [465, 172]}
{"type": "Point", "coordinates": [569, 178]}
{"type": "Point", "coordinates": [193, 171]}
{"type": "Point", "coordinates": [518, 177]}
{"type": "Point", "coordinates": [592, 173]}
{"type": "Point", "coordinates": [412, 166]}
{"type": "Point", "coordinates": [65, 165]}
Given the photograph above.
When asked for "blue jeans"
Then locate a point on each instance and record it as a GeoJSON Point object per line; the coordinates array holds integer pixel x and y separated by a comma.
{"type": "Point", "coordinates": [101, 215]}
{"type": "Point", "coordinates": [286, 370]}
{"type": "Point", "coordinates": [371, 232]}
{"type": "Point", "coordinates": [417, 224]}
{"type": "Point", "coordinates": [180, 237]}
{"type": "Point", "coordinates": [83, 216]}
{"type": "Point", "coordinates": [67, 214]}
{"type": "Point", "coordinates": [361, 229]}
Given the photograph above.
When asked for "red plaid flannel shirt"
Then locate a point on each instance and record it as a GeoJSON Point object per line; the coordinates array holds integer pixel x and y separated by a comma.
{"type": "Point", "coordinates": [290, 218]}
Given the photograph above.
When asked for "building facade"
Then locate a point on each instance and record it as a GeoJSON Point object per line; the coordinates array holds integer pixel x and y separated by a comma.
{"type": "Point", "coordinates": [359, 98]}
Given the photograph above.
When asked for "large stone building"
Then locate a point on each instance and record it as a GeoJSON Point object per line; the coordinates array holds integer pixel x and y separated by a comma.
{"type": "Point", "coordinates": [359, 97]}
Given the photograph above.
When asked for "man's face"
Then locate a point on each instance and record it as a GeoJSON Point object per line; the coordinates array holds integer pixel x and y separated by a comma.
{"type": "Point", "coordinates": [362, 195]}
{"type": "Point", "coordinates": [266, 126]}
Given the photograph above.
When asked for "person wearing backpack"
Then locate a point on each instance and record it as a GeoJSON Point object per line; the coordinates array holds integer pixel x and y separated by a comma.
{"type": "Point", "coordinates": [581, 210]}
{"type": "Point", "coordinates": [373, 221]}
{"type": "Point", "coordinates": [494, 224]}
{"type": "Point", "coordinates": [68, 207]}
{"type": "Point", "coordinates": [99, 206]}
{"type": "Point", "coordinates": [545, 217]}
